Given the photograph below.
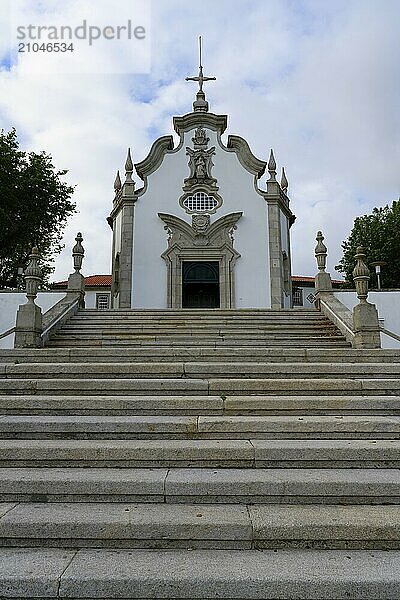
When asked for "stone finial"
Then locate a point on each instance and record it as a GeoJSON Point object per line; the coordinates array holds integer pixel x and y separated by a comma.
{"type": "Point", "coordinates": [321, 252]}
{"type": "Point", "coordinates": [117, 183]}
{"type": "Point", "coordinates": [33, 275]}
{"type": "Point", "coordinates": [128, 167]}
{"type": "Point", "coordinates": [272, 166]}
{"type": "Point", "coordinates": [78, 253]}
{"type": "Point", "coordinates": [284, 181]}
{"type": "Point", "coordinates": [361, 276]}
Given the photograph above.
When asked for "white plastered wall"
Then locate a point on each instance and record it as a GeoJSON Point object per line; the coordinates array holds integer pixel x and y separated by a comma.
{"type": "Point", "coordinates": [236, 186]}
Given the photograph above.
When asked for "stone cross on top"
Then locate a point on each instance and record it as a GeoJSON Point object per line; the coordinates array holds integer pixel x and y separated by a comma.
{"type": "Point", "coordinates": [200, 104]}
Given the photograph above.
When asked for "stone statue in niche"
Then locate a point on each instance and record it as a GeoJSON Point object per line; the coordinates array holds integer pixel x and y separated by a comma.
{"type": "Point", "coordinates": [201, 172]}
{"type": "Point", "coordinates": [200, 162]}
{"type": "Point", "coordinates": [200, 165]}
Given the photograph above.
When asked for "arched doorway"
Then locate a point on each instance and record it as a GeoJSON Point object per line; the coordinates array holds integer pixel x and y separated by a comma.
{"type": "Point", "coordinates": [200, 284]}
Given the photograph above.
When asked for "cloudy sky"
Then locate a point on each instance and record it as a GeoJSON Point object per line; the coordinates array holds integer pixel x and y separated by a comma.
{"type": "Point", "coordinates": [316, 80]}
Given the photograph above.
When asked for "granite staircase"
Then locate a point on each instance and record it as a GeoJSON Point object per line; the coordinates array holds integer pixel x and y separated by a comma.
{"type": "Point", "coordinates": [241, 454]}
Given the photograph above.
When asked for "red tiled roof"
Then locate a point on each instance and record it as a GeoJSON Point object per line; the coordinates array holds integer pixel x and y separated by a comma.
{"type": "Point", "coordinates": [311, 279]}
{"type": "Point", "coordinates": [98, 280]}
{"type": "Point", "coordinates": [91, 281]}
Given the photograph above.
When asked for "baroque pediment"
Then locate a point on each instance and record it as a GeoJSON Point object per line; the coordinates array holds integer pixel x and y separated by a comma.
{"type": "Point", "coordinates": [201, 232]}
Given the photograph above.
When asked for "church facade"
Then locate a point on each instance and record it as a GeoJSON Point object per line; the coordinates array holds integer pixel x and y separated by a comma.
{"type": "Point", "coordinates": [201, 232]}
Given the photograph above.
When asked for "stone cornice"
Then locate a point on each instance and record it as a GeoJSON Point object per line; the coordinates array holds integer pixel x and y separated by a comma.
{"type": "Point", "coordinates": [195, 119]}
{"type": "Point", "coordinates": [155, 157]}
{"type": "Point", "coordinates": [118, 205]}
{"type": "Point", "coordinates": [246, 158]}
{"type": "Point", "coordinates": [283, 205]}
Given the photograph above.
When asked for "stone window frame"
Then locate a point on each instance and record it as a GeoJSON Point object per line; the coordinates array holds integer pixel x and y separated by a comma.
{"type": "Point", "coordinates": [100, 298]}
{"type": "Point", "coordinates": [206, 190]}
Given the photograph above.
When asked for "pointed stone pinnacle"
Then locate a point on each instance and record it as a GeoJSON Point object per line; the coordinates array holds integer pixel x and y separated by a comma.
{"type": "Point", "coordinates": [117, 183]}
{"type": "Point", "coordinates": [272, 166]}
{"type": "Point", "coordinates": [128, 167]}
{"type": "Point", "coordinates": [284, 181]}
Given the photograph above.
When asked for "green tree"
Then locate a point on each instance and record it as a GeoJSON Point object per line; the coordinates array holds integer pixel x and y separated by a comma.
{"type": "Point", "coordinates": [379, 235]}
{"type": "Point", "coordinates": [34, 207]}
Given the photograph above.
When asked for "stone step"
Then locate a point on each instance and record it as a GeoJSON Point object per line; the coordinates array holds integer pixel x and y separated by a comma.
{"type": "Point", "coordinates": [124, 525]}
{"type": "Point", "coordinates": [238, 453]}
{"type": "Point", "coordinates": [287, 328]}
{"type": "Point", "coordinates": [199, 574]}
{"type": "Point", "coordinates": [303, 339]}
{"type": "Point", "coordinates": [289, 331]}
{"type": "Point", "coordinates": [78, 404]}
{"type": "Point", "coordinates": [198, 316]}
{"type": "Point", "coordinates": [198, 386]}
{"type": "Point", "coordinates": [191, 313]}
{"type": "Point", "coordinates": [198, 370]}
{"type": "Point", "coordinates": [198, 353]}
{"type": "Point", "coordinates": [203, 427]}
{"type": "Point", "coordinates": [217, 327]}
{"type": "Point", "coordinates": [217, 526]}
{"type": "Point", "coordinates": [311, 342]}
{"type": "Point", "coordinates": [174, 486]}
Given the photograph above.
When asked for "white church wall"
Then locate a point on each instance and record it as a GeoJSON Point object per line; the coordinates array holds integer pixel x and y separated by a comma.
{"type": "Point", "coordinates": [236, 187]}
{"type": "Point", "coordinates": [90, 299]}
{"type": "Point", "coordinates": [388, 306]}
{"type": "Point", "coordinates": [9, 302]}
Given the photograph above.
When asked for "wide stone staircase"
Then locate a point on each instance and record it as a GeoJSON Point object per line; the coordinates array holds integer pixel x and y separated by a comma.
{"type": "Point", "coordinates": [234, 454]}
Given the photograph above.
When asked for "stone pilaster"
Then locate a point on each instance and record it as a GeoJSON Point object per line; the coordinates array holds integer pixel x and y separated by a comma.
{"type": "Point", "coordinates": [279, 257]}
{"type": "Point", "coordinates": [121, 221]}
{"type": "Point", "coordinates": [125, 259]}
{"type": "Point", "coordinates": [275, 254]}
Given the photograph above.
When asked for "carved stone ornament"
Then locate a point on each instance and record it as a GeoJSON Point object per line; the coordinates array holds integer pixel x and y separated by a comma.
{"type": "Point", "coordinates": [200, 223]}
{"type": "Point", "coordinates": [200, 241]}
{"type": "Point", "coordinates": [200, 233]}
{"type": "Point", "coordinates": [200, 139]}
{"type": "Point", "coordinates": [33, 275]}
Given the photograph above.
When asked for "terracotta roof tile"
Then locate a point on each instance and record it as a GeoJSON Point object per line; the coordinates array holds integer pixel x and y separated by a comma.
{"type": "Point", "coordinates": [311, 279]}
{"type": "Point", "coordinates": [98, 280]}
{"type": "Point", "coordinates": [91, 281]}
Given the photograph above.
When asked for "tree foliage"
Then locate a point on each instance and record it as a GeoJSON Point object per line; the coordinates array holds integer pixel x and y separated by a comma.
{"type": "Point", "coordinates": [34, 207]}
{"type": "Point", "coordinates": [379, 235]}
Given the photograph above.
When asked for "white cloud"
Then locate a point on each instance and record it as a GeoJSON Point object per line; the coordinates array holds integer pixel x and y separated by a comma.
{"type": "Point", "coordinates": [316, 81]}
